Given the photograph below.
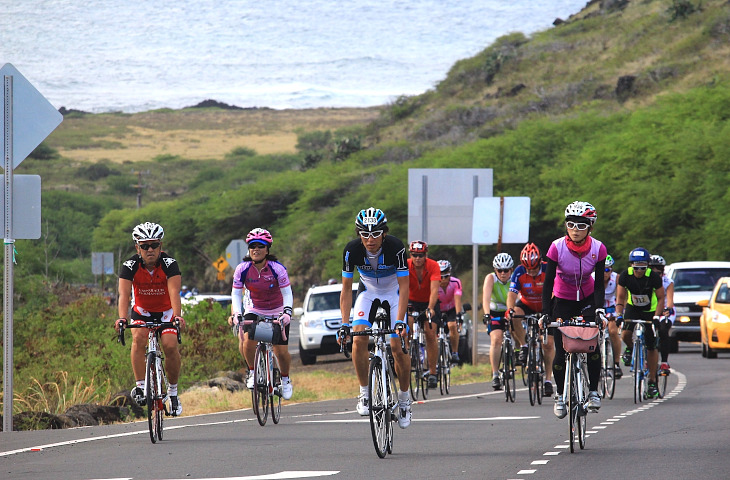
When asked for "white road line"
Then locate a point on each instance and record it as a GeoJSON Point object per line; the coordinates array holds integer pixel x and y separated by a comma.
{"type": "Point", "coordinates": [270, 476]}
{"type": "Point", "coordinates": [418, 420]}
{"type": "Point", "coordinates": [539, 462]}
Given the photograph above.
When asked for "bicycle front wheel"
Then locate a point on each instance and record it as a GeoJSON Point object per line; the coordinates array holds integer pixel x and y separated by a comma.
{"type": "Point", "coordinates": [260, 386]}
{"type": "Point", "coordinates": [155, 410]}
{"type": "Point", "coordinates": [571, 399]}
{"type": "Point", "coordinates": [380, 414]}
{"type": "Point", "coordinates": [275, 395]}
{"type": "Point", "coordinates": [446, 374]}
{"type": "Point", "coordinates": [609, 369]}
{"type": "Point", "coordinates": [508, 362]}
{"type": "Point", "coordinates": [416, 372]}
{"type": "Point", "coordinates": [533, 384]}
{"type": "Point", "coordinates": [582, 386]}
{"type": "Point", "coordinates": [638, 368]}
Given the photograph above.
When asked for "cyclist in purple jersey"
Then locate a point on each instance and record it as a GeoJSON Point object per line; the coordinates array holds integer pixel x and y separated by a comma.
{"type": "Point", "coordinates": [268, 294]}
{"type": "Point", "coordinates": [570, 290]}
{"type": "Point", "coordinates": [450, 293]}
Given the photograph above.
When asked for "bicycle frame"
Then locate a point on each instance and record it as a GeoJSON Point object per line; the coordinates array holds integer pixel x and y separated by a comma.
{"type": "Point", "coordinates": [156, 384]}
{"type": "Point", "coordinates": [535, 367]}
{"type": "Point", "coordinates": [639, 364]}
{"type": "Point", "coordinates": [419, 358]}
{"type": "Point", "coordinates": [507, 361]}
{"type": "Point", "coordinates": [444, 360]}
{"type": "Point", "coordinates": [266, 393]}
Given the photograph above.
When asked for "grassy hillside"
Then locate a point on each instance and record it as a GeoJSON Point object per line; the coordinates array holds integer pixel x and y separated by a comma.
{"type": "Point", "coordinates": [624, 105]}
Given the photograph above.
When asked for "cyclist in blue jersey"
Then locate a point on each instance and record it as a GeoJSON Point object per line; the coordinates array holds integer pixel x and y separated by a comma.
{"type": "Point", "coordinates": [380, 259]}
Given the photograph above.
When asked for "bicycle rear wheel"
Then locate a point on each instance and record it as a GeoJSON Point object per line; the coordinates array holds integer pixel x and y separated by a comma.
{"type": "Point", "coordinates": [446, 374]}
{"type": "Point", "coordinates": [260, 386]}
{"type": "Point", "coordinates": [154, 404]}
{"type": "Point", "coordinates": [275, 395]}
{"type": "Point", "coordinates": [416, 372]}
{"type": "Point", "coordinates": [380, 415]}
{"type": "Point", "coordinates": [508, 360]}
{"type": "Point", "coordinates": [392, 403]}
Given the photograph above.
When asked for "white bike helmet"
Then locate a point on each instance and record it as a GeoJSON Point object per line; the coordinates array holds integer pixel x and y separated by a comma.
{"type": "Point", "coordinates": [581, 211]}
{"type": "Point", "coordinates": [445, 267]}
{"type": "Point", "coordinates": [147, 231]}
{"type": "Point", "coordinates": [657, 260]}
{"type": "Point", "coordinates": [503, 261]}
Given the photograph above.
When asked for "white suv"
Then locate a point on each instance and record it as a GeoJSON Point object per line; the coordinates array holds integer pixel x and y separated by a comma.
{"type": "Point", "coordinates": [693, 281]}
{"type": "Point", "coordinates": [319, 319]}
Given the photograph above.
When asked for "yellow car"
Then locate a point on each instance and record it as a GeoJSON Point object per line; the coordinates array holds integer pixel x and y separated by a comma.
{"type": "Point", "coordinates": [715, 319]}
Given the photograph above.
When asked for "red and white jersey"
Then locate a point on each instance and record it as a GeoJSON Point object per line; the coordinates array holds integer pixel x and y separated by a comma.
{"type": "Point", "coordinates": [150, 287]}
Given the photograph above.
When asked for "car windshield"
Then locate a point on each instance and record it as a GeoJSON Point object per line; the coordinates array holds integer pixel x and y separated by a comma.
{"type": "Point", "coordinates": [698, 279]}
{"type": "Point", "coordinates": [326, 301]}
{"type": "Point", "coordinates": [723, 294]}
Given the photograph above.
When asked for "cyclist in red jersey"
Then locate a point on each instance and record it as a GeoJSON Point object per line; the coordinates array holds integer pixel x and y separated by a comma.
{"type": "Point", "coordinates": [527, 281]}
{"type": "Point", "coordinates": [155, 278]}
{"type": "Point", "coordinates": [423, 294]}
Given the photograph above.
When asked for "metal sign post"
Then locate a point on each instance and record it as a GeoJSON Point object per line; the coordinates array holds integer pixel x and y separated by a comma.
{"type": "Point", "coordinates": [27, 119]}
{"type": "Point", "coordinates": [9, 247]}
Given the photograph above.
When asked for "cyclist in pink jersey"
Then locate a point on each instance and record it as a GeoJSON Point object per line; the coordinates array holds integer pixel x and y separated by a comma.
{"type": "Point", "coordinates": [269, 293]}
{"type": "Point", "coordinates": [450, 294]}
{"type": "Point", "coordinates": [570, 290]}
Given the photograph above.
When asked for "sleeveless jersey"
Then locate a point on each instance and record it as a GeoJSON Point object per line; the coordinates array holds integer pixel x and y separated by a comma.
{"type": "Point", "coordinates": [263, 288]}
{"type": "Point", "coordinates": [641, 291]}
{"type": "Point", "coordinates": [150, 288]}
{"type": "Point", "coordinates": [498, 303]}
{"type": "Point", "coordinates": [446, 296]}
{"type": "Point", "coordinates": [528, 287]}
{"type": "Point", "coordinates": [573, 280]}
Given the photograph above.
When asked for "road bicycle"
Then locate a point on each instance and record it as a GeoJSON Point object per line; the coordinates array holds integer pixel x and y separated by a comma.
{"type": "Point", "coordinates": [608, 366]}
{"type": "Point", "coordinates": [639, 363]}
{"type": "Point", "coordinates": [266, 394]}
{"type": "Point", "coordinates": [443, 367]}
{"type": "Point", "coordinates": [535, 364]}
{"type": "Point", "coordinates": [579, 338]}
{"type": "Point", "coordinates": [382, 388]}
{"type": "Point", "coordinates": [155, 379]}
{"type": "Point", "coordinates": [419, 357]}
{"type": "Point", "coordinates": [507, 370]}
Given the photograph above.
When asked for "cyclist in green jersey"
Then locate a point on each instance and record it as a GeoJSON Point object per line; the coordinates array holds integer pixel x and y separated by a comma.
{"type": "Point", "coordinates": [494, 303]}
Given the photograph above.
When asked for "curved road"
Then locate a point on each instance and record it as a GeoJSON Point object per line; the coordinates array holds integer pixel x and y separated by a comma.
{"type": "Point", "coordinates": [471, 433]}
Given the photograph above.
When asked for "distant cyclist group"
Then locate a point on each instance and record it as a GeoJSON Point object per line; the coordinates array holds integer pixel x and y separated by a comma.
{"type": "Point", "coordinates": [399, 288]}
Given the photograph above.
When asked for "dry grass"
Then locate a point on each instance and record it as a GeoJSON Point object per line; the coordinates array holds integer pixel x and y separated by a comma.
{"type": "Point", "coordinates": [199, 134]}
{"type": "Point", "coordinates": [56, 397]}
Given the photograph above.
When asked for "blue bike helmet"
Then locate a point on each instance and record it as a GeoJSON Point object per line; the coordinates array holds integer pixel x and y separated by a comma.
{"type": "Point", "coordinates": [639, 254]}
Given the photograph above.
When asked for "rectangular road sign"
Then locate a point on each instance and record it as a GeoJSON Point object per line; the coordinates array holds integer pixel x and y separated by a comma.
{"type": "Point", "coordinates": [102, 263]}
{"type": "Point", "coordinates": [26, 205]}
{"type": "Point", "coordinates": [515, 220]}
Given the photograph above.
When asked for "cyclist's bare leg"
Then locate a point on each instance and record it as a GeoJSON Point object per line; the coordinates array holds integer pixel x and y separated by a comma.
{"type": "Point", "coordinates": [518, 331]}
{"type": "Point", "coordinates": [284, 357]}
{"type": "Point", "coordinates": [613, 334]}
{"type": "Point", "coordinates": [249, 350]}
{"type": "Point", "coordinates": [402, 365]}
{"type": "Point", "coordinates": [652, 356]}
{"type": "Point", "coordinates": [138, 352]}
{"type": "Point", "coordinates": [495, 350]}
{"type": "Point", "coordinates": [432, 346]}
{"type": "Point", "coordinates": [172, 357]}
{"type": "Point", "coordinates": [454, 336]}
{"type": "Point", "coordinates": [360, 355]}
{"type": "Point", "coordinates": [548, 353]}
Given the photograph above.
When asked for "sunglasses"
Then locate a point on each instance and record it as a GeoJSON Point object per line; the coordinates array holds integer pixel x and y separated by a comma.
{"type": "Point", "coordinates": [445, 276]}
{"type": "Point", "coordinates": [418, 255]}
{"type": "Point", "coordinates": [255, 246]}
{"type": "Point", "coordinates": [502, 270]}
{"type": "Point", "coordinates": [577, 226]}
{"type": "Point", "coordinates": [374, 234]}
{"type": "Point", "coordinates": [636, 267]}
{"type": "Point", "coordinates": [147, 246]}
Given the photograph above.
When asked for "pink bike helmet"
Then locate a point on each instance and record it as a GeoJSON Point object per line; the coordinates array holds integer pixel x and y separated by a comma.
{"type": "Point", "coordinates": [260, 235]}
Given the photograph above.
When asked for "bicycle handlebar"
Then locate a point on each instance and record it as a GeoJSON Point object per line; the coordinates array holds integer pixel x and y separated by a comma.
{"type": "Point", "coordinates": [150, 324]}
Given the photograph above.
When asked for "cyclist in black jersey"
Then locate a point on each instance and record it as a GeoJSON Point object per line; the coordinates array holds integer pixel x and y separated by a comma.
{"type": "Point", "coordinates": [380, 260]}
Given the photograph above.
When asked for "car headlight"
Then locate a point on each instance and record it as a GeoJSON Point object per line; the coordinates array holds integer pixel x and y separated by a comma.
{"type": "Point", "coordinates": [718, 317]}
{"type": "Point", "coordinates": [313, 323]}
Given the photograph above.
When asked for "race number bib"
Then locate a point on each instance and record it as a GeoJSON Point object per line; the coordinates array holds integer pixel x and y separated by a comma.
{"type": "Point", "coordinates": [640, 300]}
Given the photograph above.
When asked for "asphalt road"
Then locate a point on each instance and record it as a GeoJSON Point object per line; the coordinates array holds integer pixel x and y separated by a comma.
{"type": "Point", "coordinates": [472, 433]}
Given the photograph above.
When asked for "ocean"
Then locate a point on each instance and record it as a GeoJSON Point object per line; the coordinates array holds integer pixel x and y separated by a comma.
{"type": "Point", "coordinates": [132, 56]}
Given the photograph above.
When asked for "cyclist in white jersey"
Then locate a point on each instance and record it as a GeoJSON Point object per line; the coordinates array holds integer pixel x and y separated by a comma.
{"type": "Point", "coordinates": [610, 281]}
{"type": "Point", "coordinates": [657, 263]}
{"type": "Point", "coordinates": [380, 259]}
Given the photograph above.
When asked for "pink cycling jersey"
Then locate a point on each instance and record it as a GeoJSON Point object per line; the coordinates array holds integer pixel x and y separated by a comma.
{"type": "Point", "coordinates": [264, 287]}
{"type": "Point", "coordinates": [573, 279]}
{"type": "Point", "coordinates": [446, 297]}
